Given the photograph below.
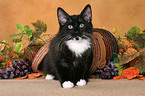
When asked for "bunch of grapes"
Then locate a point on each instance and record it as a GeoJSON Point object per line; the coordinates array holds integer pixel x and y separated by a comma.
{"type": "Point", "coordinates": [108, 72]}
{"type": "Point", "coordinates": [18, 69]}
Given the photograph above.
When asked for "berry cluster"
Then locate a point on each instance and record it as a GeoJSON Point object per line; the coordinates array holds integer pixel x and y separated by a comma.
{"type": "Point", "coordinates": [108, 72]}
{"type": "Point", "coordinates": [18, 69]}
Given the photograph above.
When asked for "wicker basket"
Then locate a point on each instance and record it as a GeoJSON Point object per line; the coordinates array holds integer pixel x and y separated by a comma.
{"type": "Point", "coordinates": [104, 44]}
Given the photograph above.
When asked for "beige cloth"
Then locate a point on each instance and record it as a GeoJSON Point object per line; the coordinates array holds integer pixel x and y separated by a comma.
{"type": "Point", "coordinates": [95, 87]}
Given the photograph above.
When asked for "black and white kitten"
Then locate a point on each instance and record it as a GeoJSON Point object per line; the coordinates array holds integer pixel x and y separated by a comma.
{"type": "Point", "coordinates": [70, 51]}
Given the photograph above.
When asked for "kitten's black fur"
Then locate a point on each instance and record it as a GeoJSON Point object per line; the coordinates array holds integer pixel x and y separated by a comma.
{"type": "Point", "coordinates": [60, 61]}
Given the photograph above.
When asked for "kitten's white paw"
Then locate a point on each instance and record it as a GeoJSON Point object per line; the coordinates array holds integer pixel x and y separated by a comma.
{"type": "Point", "coordinates": [82, 82]}
{"type": "Point", "coordinates": [67, 84]}
{"type": "Point", "coordinates": [49, 77]}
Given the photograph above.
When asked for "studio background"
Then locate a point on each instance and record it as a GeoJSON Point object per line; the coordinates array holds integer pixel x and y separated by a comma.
{"type": "Point", "coordinates": [106, 13]}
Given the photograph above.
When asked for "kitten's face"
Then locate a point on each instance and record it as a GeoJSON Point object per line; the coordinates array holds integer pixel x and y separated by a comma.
{"type": "Point", "coordinates": [76, 27]}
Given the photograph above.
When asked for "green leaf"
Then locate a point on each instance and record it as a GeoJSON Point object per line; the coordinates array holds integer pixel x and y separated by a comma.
{"type": "Point", "coordinates": [133, 32]}
{"type": "Point", "coordinates": [19, 27]}
{"type": "Point", "coordinates": [16, 40]}
{"type": "Point", "coordinates": [13, 35]}
{"type": "Point", "coordinates": [28, 31]}
{"type": "Point", "coordinates": [116, 60]}
{"type": "Point", "coordinates": [114, 55]}
{"type": "Point", "coordinates": [1, 53]}
{"type": "Point", "coordinates": [29, 34]}
{"type": "Point", "coordinates": [18, 47]}
{"type": "Point", "coordinates": [4, 43]}
{"type": "Point", "coordinates": [120, 72]}
{"type": "Point", "coordinates": [27, 28]}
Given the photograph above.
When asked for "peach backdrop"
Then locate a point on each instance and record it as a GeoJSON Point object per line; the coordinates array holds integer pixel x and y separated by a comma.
{"type": "Point", "coordinates": [106, 13]}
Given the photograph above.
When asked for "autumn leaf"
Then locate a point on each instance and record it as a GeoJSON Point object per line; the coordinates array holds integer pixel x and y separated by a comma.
{"type": "Point", "coordinates": [142, 78]}
{"type": "Point", "coordinates": [129, 73]}
{"type": "Point", "coordinates": [129, 55]}
{"type": "Point", "coordinates": [116, 32]}
{"type": "Point", "coordinates": [24, 77]}
{"type": "Point", "coordinates": [140, 62]}
{"type": "Point", "coordinates": [2, 59]}
{"type": "Point", "coordinates": [31, 76]}
{"type": "Point", "coordinates": [34, 75]}
{"type": "Point", "coordinates": [117, 77]}
{"type": "Point", "coordinates": [9, 63]}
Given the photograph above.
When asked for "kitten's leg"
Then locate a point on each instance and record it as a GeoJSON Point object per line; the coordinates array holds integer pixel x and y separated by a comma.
{"type": "Point", "coordinates": [65, 78]}
{"type": "Point", "coordinates": [81, 77]}
{"type": "Point", "coordinates": [64, 74]}
{"type": "Point", "coordinates": [47, 68]}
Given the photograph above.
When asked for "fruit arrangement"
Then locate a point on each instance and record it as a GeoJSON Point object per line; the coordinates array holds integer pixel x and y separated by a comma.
{"type": "Point", "coordinates": [18, 69]}
{"type": "Point", "coordinates": [108, 72]}
{"type": "Point", "coordinates": [16, 58]}
{"type": "Point", "coordinates": [132, 50]}
{"type": "Point", "coordinates": [131, 55]}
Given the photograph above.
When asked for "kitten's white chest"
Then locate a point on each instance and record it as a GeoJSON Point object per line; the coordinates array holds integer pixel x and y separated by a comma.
{"type": "Point", "coordinates": [78, 46]}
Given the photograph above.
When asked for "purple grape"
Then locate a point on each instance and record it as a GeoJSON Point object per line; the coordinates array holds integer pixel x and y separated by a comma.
{"type": "Point", "coordinates": [112, 73]}
{"type": "Point", "coordinates": [17, 72]}
{"type": "Point", "coordinates": [22, 73]}
{"type": "Point", "coordinates": [25, 71]}
{"type": "Point", "coordinates": [18, 69]}
{"type": "Point", "coordinates": [11, 75]}
{"type": "Point", "coordinates": [115, 69]}
{"type": "Point", "coordinates": [108, 72]}
{"type": "Point", "coordinates": [27, 65]}
{"type": "Point", "coordinates": [8, 73]}
{"type": "Point", "coordinates": [106, 69]}
{"type": "Point", "coordinates": [5, 76]}
{"type": "Point", "coordinates": [99, 71]}
{"type": "Point", "coordinates": [103, 76]}
{"type": "Point", "coordinates": [16, 61]}
{"type": "Point", "coordinates": [115, 73]}
{"type": "Point", "coordinates": [8, 69]}
{"type": "Point", "coordinates": [24, 67]}
{"type": "Point", "coordinates": [12, 68]}
{"type": "Point", "coordinates": [111, 65]}
{"type": "Point", "coordinates": [2, 71]}
{"type": "Point", "coordinates": [23, 61]}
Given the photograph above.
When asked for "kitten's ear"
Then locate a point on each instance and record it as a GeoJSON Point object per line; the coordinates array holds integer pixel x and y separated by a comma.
{"type": "Point", "coordinates": [62, 16]}
{"type": "Point", "coordinates": [86, 14]}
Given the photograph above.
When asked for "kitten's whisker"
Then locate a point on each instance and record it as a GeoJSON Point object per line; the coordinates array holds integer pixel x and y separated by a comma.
{"type": "Point", "coordinates": [60, 41]}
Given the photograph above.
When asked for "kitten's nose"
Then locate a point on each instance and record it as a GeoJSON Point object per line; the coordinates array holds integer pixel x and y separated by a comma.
{"type": "Point", "coordinates": [76, 33]}
{"type": "Point", "coordinates": [77, 38]}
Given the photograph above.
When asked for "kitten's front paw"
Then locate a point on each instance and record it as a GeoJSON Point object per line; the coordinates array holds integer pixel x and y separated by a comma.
{"type": "Point", "coordinates": [82, 82]}
{"type": "Point", "coordinates": [67, 84]}
{"type": "Point", "coordinates": [49, 77]}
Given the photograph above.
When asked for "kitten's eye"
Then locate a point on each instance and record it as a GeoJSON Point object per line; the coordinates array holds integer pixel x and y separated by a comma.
{"type": "Point", "coordinates": [70, 27]}
{"type": "Point", "coordinates": [81, 25]}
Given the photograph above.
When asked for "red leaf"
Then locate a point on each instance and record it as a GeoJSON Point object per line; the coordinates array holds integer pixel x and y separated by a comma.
{"type": "Point", "coordinates": [130, 73]}
{"type": "Point", "coordinates": [24, 77]}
